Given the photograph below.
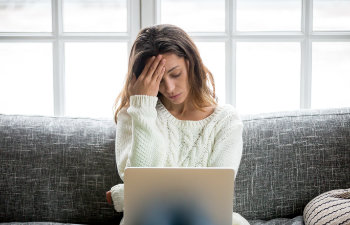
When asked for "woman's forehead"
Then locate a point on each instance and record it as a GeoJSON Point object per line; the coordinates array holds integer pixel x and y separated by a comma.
{"type": "Point", "coordinates": [173, 61]}
{"type": "Point", "coordinates": [172, 57]}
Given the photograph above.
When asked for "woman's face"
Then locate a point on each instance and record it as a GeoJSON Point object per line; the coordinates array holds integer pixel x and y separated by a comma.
{"type": "Point", "coordinates": [175, 86]}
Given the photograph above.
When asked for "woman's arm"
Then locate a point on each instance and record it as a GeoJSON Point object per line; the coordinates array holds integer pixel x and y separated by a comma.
{"type": "Point", "coordinates": [139, 141]}
{"type": "Point", "coordinates": [228, 143]}
{"type": "Point", "coordinates": [148, 143]}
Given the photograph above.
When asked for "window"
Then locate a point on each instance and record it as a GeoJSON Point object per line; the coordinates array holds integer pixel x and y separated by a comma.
{"type": "Point", "coordinates": [279, 55]}
{"type": "Point", "coordinates": [273, 83]}
{"type": "Point", "coordinates": [64, 58]}
{"type": "Point", "coordinates": [69, 57]}
{"type": "Point", "coordinates": [26, 78]}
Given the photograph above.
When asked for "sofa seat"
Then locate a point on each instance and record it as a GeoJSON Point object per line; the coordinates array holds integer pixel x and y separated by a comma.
{"type": "Point", "coordinates": [36, 223]}
{"type": "Point", "coordinates": [280, 221]}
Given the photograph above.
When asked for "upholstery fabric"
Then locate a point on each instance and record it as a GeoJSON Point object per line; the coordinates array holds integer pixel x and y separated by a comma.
{"type": "Point", "coordinates": [56, 169]}
{"type": "Point", "coordinates": [37, 223]}
{"type": "Point", "coordinates": [332, 207]}
{"type": "Point", "coordinates": [289, 158]}
{"type": "Point", "coordinates": [281, 221]}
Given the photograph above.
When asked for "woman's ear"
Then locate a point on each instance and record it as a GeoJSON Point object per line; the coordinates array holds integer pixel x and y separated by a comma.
{"type": "Point", "coordinates": [188, 64]}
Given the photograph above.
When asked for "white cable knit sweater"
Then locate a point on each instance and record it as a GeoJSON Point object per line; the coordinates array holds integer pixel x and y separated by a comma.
{"type": "Point", "coordinates": [148, 135]}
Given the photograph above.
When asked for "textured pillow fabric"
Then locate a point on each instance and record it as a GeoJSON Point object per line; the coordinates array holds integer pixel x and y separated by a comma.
{"type": "Point", "coordinates": [332, 207]}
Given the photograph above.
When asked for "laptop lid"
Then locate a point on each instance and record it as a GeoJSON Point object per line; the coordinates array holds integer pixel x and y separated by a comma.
{"type": "Point", "coordinates": [154, 193]}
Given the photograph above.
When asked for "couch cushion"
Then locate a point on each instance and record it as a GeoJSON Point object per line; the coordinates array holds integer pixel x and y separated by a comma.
{"type": "Point", "coordinates": [280, 221]}
{"type": "Point", "coordinates": [332, 207]}
{"type": "Point", "coordinates": [36, 223]}
{"type": "Point", "coordinates": [56, 169]}
{"type": "Point", "coordinates": [289, 158]}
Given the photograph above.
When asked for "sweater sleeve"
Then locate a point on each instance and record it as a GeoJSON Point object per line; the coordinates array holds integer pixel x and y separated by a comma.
{"type": "Point", "coordinates": [139, 142]}
{"type": "Point", "coordinates": [228, 145]}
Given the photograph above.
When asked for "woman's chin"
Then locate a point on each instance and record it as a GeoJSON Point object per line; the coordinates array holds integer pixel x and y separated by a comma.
{"type": "Point", "coordinates": [176, 101]}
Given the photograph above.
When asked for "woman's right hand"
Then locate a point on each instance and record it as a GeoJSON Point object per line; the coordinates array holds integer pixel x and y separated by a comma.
{"type": "Point", "coordinates": [109, 197]}
{"type": "Point", "coordinates": [149, 80]}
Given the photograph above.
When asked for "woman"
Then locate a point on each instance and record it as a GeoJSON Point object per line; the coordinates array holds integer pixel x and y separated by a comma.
{"type": "Point", "coordinates": [167, 114]}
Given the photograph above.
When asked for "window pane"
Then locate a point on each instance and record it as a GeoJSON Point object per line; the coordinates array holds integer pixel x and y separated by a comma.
{"type": "Point", "coordinates": [26, 78]}
{"type": "Point", "coordinates": [268, 15]}
{"type": "Point", "coordinates": [330, 75]}
{"type": "Point", "coordinates": [194, 15]}
{"type": "Point", "coordinates": [213, 57]}
{"type": "Point", "coordinates": [25, 16]}
{"type": "Point", "coordinates": [268, 77]}
{"type": "Point", "coordinates": [95, 16]}
{"type": "Point", "coordinates": [95, 73]}
{"type": "Point", "coordinates": [331, 15]}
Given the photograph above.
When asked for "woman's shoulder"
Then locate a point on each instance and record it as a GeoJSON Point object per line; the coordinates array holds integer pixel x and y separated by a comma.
{"type": "Point", "coordinates": [227, 120]}
{"type": "Point", "coordinates": [227, 111]}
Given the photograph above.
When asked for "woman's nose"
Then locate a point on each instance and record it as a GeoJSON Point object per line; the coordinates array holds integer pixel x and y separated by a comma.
{"type": "Point", "coordinates": [169, 86]}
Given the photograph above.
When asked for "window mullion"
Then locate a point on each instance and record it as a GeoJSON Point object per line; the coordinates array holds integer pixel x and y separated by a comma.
{"type": "Point", "coordinates": [230, 52]}
{"type": "Point", "coordinates": [148, 12]}
{"type": "Point", "coordinates": [306, 56]}
{"type": "Point", "coordinates": [134, 21]}
{"type": "Point", "coordinates": [58, 59]}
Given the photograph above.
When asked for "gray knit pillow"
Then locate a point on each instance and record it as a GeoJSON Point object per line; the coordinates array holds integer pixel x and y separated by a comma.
{"type": "Point", "coordinates": [332, 207]}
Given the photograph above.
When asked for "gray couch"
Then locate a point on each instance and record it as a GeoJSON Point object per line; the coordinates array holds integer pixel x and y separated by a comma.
{"type": "Point", "coordinates": [57, 170]}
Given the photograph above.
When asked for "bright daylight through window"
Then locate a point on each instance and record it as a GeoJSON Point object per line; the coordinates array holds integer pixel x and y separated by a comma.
{"type": "Point", "coordinates": [69, 57]}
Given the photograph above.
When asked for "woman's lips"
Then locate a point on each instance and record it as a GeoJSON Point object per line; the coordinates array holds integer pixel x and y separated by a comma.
{"type": "Point", "coordinates": [175, 96]}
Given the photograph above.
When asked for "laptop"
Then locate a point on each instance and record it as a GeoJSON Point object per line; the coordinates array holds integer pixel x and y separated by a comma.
{"type": "Point", "coordinates": [183, 195]}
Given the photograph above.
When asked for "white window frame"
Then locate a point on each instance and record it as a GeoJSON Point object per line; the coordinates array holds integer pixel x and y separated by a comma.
{"type": "Point", "coordinates": [58, 38]}
{"type": "Point", "coordinates": [150, 10]}
{"type": "Point", "coordinates": [143, 13]}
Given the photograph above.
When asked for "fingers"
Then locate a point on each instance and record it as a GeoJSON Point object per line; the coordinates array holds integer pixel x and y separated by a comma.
{"type": "Point", "coordinates": [133, 79]}
{"type": "Point", "coordinates": [109, 197]}
{"type": "Point", "coordinates": [132, 83]}
{"type": "Point", "coordinates": [147, 66]}
{"type": "Point", "coordinates": [154, 66]}
{"type": "Point", "coordinates": [151, 67]}
{"type": "Point", "coordinates": [160, 75]}
{"type": "Point", "coordinates": [160, 70]}
{"type": "Point", "coordinates": [148, 81]}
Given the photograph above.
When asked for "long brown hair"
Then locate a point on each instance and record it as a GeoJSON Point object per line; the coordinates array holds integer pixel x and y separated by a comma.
{"type": "Point", "coordinates": [167, 38]}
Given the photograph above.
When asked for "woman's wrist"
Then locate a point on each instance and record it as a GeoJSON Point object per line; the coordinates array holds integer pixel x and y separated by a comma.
{"type": "Point", "coordinates": [143, 101]}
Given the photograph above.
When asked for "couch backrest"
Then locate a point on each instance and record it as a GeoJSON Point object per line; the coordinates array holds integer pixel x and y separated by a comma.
{"type": "Point", "coordinates": [289, 158]}
{"type": "Point", "coordinates": [56, 169]}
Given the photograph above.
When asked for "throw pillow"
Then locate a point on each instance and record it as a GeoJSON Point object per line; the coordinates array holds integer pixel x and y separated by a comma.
{"type": "Point", "coordinates": [332, 207]}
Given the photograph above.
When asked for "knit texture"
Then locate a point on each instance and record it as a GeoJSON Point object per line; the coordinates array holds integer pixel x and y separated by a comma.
{"type": "Point", "coordinates": [148, 135]}
{"type": "Point", "coordinates": [332, 207]}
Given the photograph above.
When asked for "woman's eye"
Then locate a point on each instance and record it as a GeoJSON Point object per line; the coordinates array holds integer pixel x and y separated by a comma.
{"type": "Point", "coordinates": [177, 75]}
